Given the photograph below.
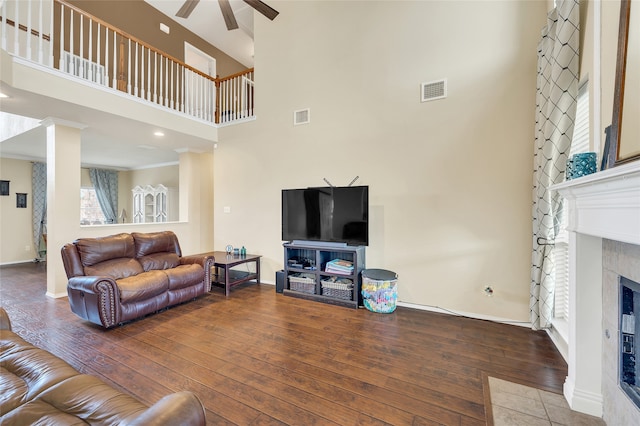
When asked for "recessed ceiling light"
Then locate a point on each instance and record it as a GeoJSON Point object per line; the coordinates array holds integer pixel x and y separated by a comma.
{"type": "Point", "coordinates": [158, 133]}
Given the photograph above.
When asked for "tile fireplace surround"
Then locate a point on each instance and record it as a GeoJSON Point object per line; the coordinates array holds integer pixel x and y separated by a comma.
{"type": "Point", "coordinates": [604, 241]}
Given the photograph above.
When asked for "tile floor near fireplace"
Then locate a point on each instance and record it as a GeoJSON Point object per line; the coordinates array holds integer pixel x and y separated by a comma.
{"type": "Point", "coordinates": [516, 404]}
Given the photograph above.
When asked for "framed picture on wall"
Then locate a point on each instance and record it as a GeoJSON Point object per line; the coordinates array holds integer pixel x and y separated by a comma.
{"type": "Point", "coordinates": [21, 200]}
{"type": "Point", "coordinates": [4, 187]}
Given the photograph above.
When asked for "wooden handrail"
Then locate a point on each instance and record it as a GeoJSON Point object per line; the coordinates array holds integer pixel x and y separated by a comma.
{"type": "Point", "coordinates": [238, 74]}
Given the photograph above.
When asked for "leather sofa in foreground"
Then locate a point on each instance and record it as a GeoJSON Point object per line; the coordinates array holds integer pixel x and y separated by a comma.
{"type": "Point", "coordinates": [122, 277]}
{"type": "Point", "coordinates": [40, 388]}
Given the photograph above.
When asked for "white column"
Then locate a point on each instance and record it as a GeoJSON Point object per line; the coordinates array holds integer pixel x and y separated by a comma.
{"type": "Point", "coordinates": [583, 385]}
{"type": "Point", "coordinates": [63, 196]}
{"type": "Point", "coordinates": [196, 196]}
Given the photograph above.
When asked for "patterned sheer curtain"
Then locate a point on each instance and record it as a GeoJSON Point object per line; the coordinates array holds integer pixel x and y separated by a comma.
{"type": "Point", "coordinates": [105, 183]}
{"type": "Point", "coordinates": [39, 190]}
{"type": "Point", "coordinates": [556, 97]}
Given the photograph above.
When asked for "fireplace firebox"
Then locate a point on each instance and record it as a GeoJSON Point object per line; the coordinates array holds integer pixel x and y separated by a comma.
{"type": "Point", "coordinates": [630, 339]}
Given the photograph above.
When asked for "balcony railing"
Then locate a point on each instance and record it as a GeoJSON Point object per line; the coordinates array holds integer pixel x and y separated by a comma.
{"type": "Point", "coordinates": [58, 35]}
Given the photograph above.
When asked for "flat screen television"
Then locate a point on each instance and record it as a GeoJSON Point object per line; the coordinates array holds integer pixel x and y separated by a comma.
{"type": "Point", "coordinates": [326, 214]}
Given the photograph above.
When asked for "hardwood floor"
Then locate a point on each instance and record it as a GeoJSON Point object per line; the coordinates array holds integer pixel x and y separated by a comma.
{"type": "Point", "coordinates": [258, 357]}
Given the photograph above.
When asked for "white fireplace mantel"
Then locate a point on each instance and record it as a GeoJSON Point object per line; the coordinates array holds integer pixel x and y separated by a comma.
{"type": "Point", "coordinates": [604, 205]}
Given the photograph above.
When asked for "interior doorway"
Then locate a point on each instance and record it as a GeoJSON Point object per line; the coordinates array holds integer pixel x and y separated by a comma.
{"type": "Point", "coordinates": [199, 60]}
{"type": "Point", "coordinates": [200, 95]}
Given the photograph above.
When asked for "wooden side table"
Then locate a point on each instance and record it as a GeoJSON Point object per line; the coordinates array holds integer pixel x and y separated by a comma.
{"type": "Point", "coordinates": [223, 264]}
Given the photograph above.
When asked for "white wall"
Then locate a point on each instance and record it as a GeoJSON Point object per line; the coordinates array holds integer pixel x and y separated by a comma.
{"type": "Point", "coordinates": [450, 180]}
{"type": "Point", "coordinates": [16, 228]}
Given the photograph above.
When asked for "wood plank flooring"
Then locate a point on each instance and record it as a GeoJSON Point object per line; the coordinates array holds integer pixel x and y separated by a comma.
{"type": "Point", "coordinates": [261, 358]}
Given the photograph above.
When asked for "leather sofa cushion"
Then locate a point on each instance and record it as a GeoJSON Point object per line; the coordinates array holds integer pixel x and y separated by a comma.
{"type": "Point", "coordinates": [26, 371]}
{"type": "Point", "coordinates": [159, 261]}
{"type": "Point", "coordinates": [79, 400]}
{"type": "Point", "coordinates": [95, 250]}
{"type": "Point", "coordinates": [142, 286]}
{"type": "Point", "coordinates": [184, 276]}
{"type": "Point", "coordinates": [154, 242]}
{"type": "Point", "coordinates": [115, 268]}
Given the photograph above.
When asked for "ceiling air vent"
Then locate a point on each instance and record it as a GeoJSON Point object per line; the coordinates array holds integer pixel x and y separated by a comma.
{"type": "Point", "coordinates": [302, 116]}
{"type": "Point", "coordinates": [433, 90]}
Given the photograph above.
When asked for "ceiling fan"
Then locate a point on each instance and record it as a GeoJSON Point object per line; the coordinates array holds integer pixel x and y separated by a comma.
{"type": "Point", "coordinates": [227, 12]}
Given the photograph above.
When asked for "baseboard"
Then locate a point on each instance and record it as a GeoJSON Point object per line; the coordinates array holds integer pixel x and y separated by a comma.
{"type": "Point", "coordinates": [56, 295]}
{"type": "Point", "coordinates": [559, 341]}
{"type": "Point", "coordinates": [464, 314]}
{"type": "Point", "coordinates": [19, 262]}
{"type": "Point", "coordinates": [584, 402]}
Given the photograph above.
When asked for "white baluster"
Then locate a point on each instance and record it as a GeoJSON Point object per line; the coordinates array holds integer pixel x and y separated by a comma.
{"type": "Point", "coordinates": [160, 82]}
{"type": "Point", "coordinates": [128, 65]}
{"type": "Point", "coordinates": [142, 72]}
{"type": "Point", "coordinates": [149, 75]}
{"type": "Point", "coordinates": [171, 83]}
{"type": "Point", "coordinates": [182, 85]}
{"type": "Point", "coordinates": [16, 30]}
{"type": "Point", "coordinates": [51, 35]}
{"type": "Point", "coordinates": [61, 59]}
{"type": "Point", "coordinates": [106, 56]}
{"type": "Point", "coordinates": [155, 77]}
{"type": "Point", "coordinates": [135, 77]}
{"type": "Point", "coordinates": [72, 63]}
{"type": "Point", "coordinates": [81, 52]}
{"type": "Point", "coordinates": [115, 60]}
{"type": "Point", "coordinates": [98, 50]}
{"type": "Point", "coordinates": [28, 30]}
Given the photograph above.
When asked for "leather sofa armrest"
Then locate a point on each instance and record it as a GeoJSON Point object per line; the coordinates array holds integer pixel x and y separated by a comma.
{"type": "Point", "coordinates": [180, 408]}
{"type": "Point", "coordinates": [92, 284]}
{"type": "Point", "coordinates": [207, 262]}
{"type": "Point", "coordinates": [203, 260]}
{"type": "Point", "coordinates": [95, 298]}
{"type": "Point", "coordinates": [5, 322]}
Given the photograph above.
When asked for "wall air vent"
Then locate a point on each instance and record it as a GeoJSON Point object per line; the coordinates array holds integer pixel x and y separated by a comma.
{"type": "Point", "coordinates": [302, 116]}
{"type": "Point", "coordinates": [433, 90]}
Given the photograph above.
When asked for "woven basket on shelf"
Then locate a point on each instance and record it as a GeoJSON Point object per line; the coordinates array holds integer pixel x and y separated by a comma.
{"type": "Point", "coordinates": [304, 283]}
{"type": "Point", "coordinates": [340, 289]}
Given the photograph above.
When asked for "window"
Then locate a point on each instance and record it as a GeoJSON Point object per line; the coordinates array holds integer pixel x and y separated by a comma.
{"type": "Point", "coordinates": [579, 143]}
{"type": "Point", "coordinates": [90, 211]}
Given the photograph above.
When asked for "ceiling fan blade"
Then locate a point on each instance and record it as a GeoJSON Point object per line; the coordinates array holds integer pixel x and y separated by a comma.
{"type": "Point", "coordinates": [263, 8]}
{"type": "Point", "coordinates": [187, 8]}
{"type": "Point", "coordinates": [227, 14]}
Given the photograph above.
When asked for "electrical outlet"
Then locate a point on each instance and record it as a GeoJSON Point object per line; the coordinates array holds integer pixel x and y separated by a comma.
{"type": "Point", "coordinates": [27, 248]}
{"type": "Point", "coordinates": [227, 209]}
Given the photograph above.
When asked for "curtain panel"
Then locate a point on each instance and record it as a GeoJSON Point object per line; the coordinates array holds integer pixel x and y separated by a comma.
{"type": "Point", "coordinates": [105, 183]}
{"type": "Point", "coordinates": [556, 99]}
{"type": "Point", "coordinates": [39, 216]}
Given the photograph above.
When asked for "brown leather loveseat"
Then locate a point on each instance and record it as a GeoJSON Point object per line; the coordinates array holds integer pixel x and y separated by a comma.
{"type": "Point", "coordinates": [39, 388]}
{"type": "Point", "coordinates": [122, 277]}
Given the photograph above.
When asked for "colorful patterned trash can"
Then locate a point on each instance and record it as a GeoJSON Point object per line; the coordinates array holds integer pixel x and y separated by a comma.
{"type": "Point", "coordinates": [379, 290]}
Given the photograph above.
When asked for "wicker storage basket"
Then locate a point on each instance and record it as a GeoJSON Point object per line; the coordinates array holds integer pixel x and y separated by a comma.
{"type": "Point", "coordinates": [304, 283]}
{"type": "Point", "coordinates": [340, 289]}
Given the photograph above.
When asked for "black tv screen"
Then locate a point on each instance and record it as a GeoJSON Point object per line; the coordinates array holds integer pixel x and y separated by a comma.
{"type": "Point", "coordinates": [326, 214]}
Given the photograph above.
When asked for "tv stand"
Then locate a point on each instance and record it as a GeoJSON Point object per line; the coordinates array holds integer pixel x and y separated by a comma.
{"type": "Point", "coordinates": [306, 275]}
